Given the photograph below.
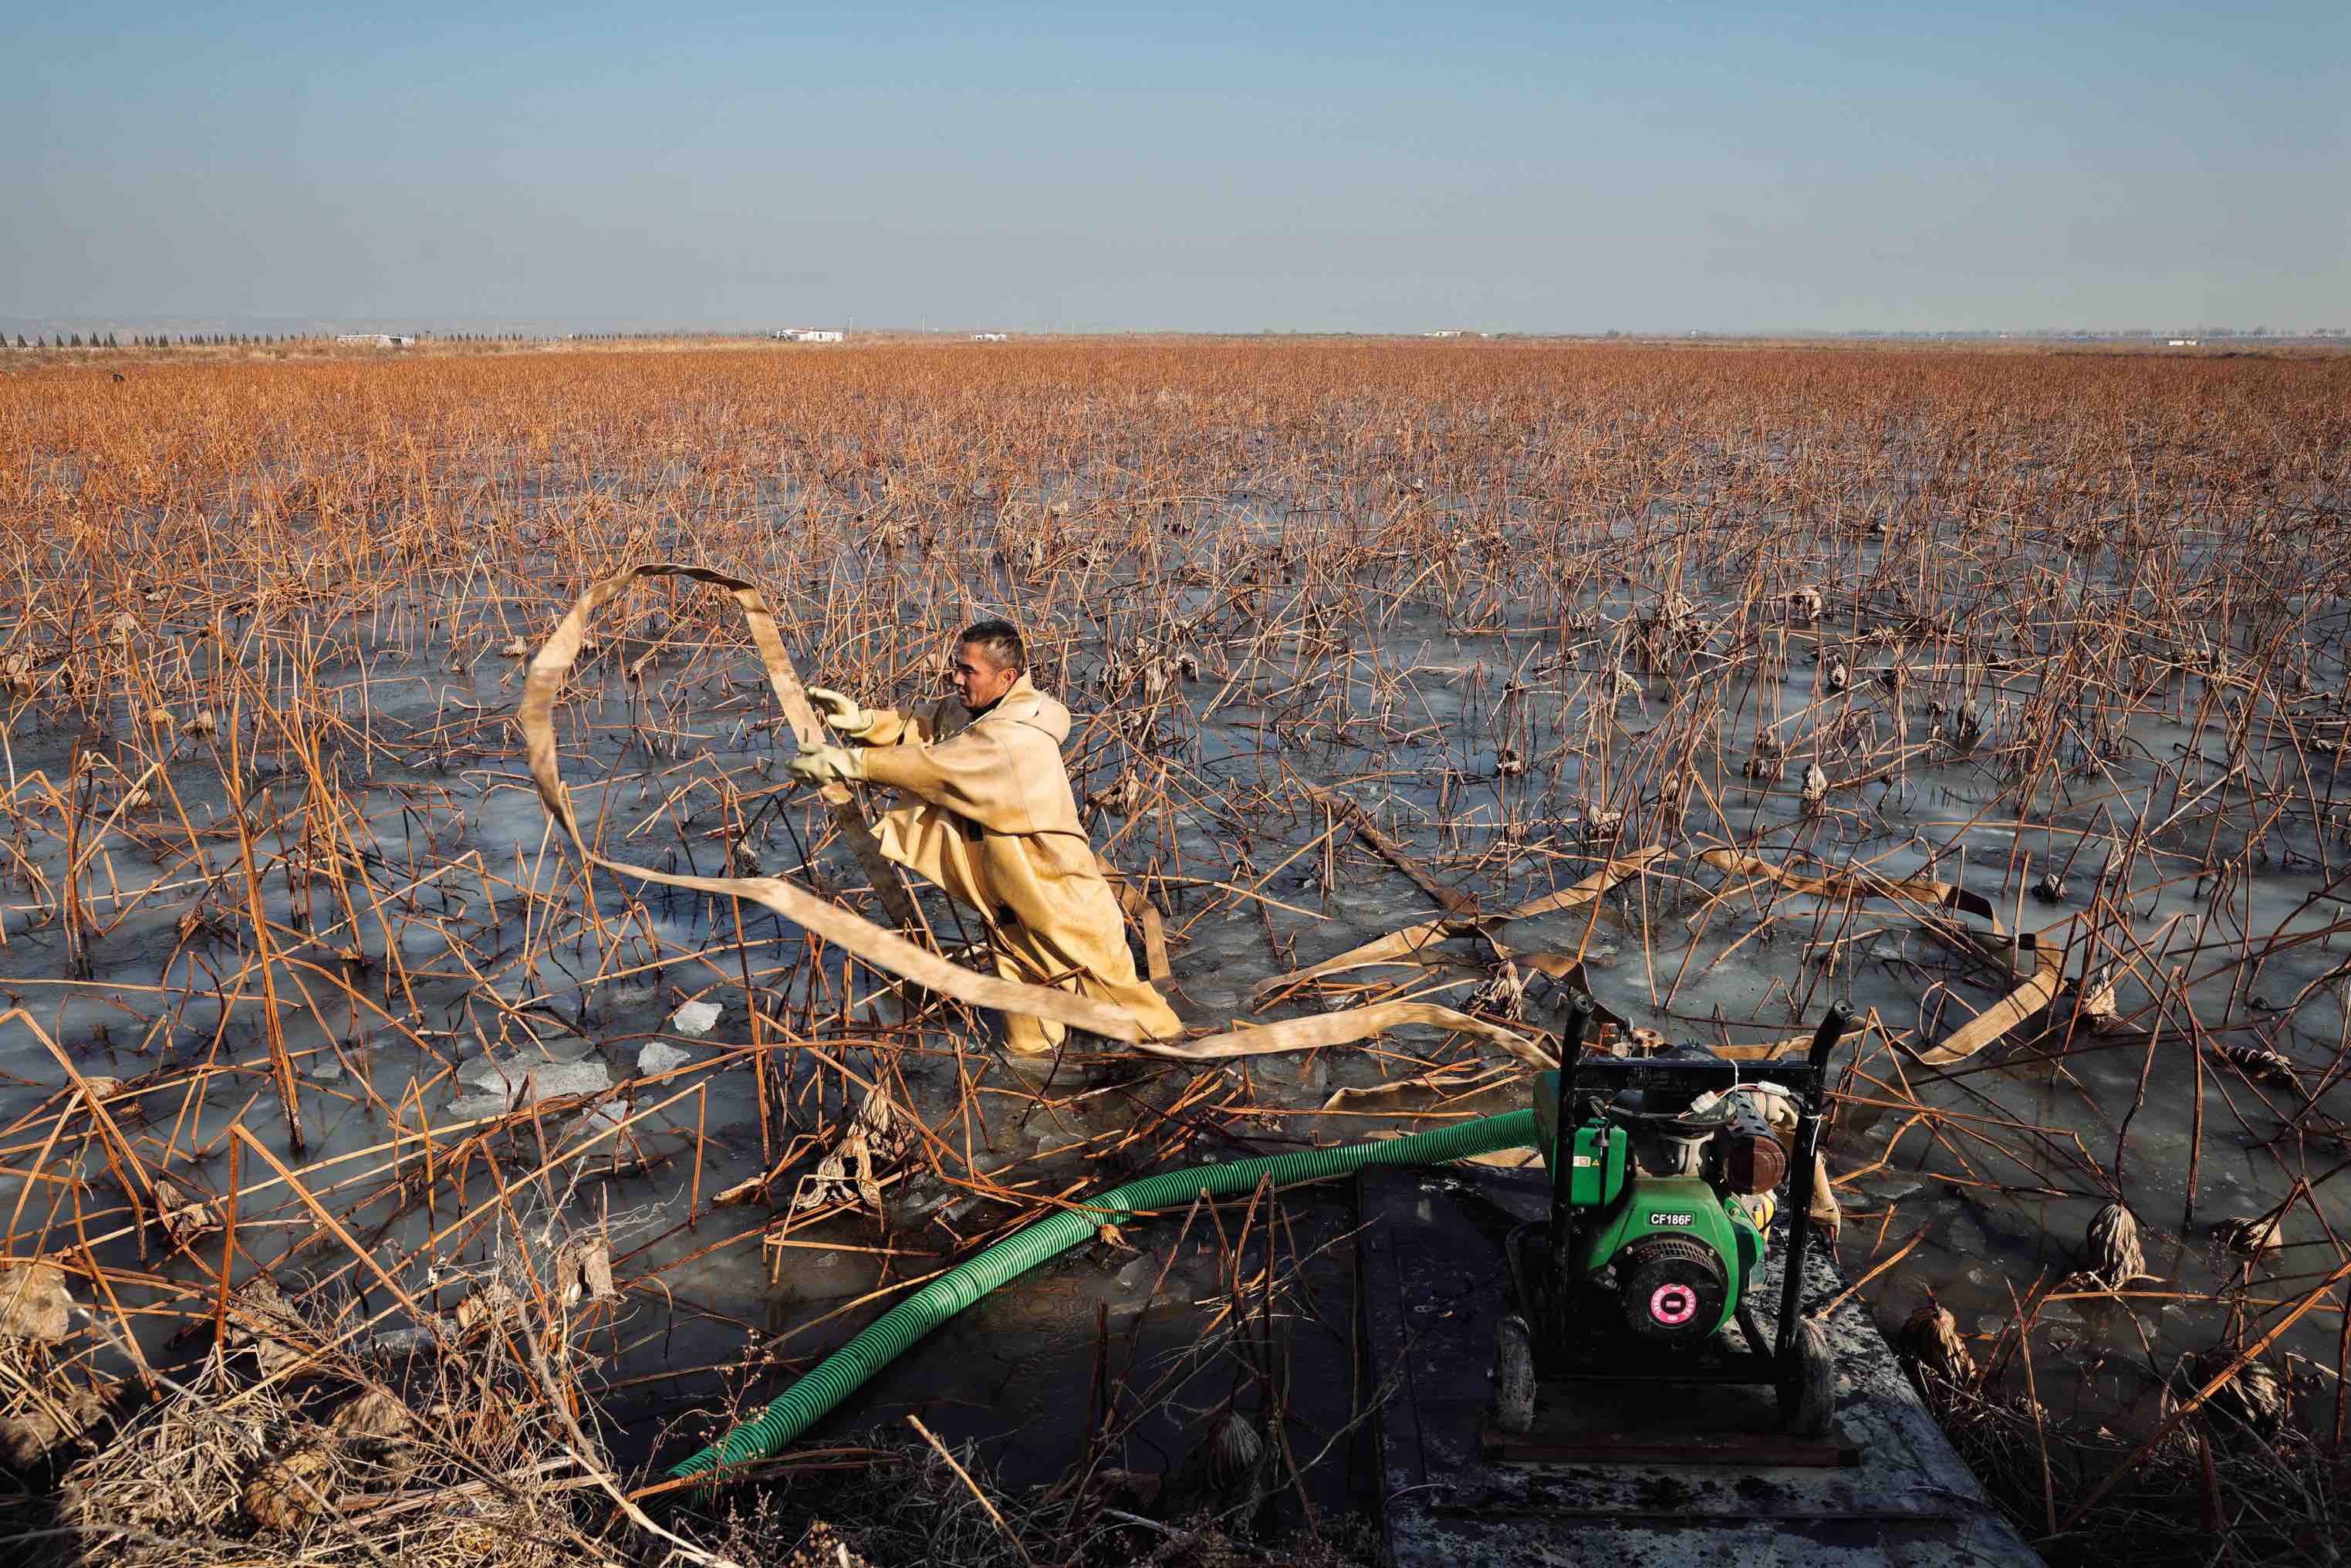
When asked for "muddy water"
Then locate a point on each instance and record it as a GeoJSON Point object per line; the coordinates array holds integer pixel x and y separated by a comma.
{"type": "Point", "coordinates": [473, 947]}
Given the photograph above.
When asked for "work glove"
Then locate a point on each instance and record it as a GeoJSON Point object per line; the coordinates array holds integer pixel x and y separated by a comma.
{"type": "Point", "coordinates": [825, 764]}
{"type": "Point", "coordinates": [839, 711]}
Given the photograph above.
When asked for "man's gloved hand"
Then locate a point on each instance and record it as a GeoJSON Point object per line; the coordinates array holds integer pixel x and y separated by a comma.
{"type": "Point", "coordinates": [825, 764]}
{"type": "Point", "coordinates": [839, 711]}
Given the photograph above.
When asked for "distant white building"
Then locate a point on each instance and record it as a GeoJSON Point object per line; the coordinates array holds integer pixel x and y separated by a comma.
{"type": "Point", "coordinates": [988, 337]}
{"type": "Point", "coordinates": [2186, 342]}
{"type": "Point", "coordinates": [809, 335]}
{"type": "Point", "coordinates": [378, 340]}
{"type": "Point", "coordinates": [1455, 332]}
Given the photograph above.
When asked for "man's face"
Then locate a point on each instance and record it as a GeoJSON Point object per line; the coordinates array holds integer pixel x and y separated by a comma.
{"type": "Point", "coordinates": [977, 679]}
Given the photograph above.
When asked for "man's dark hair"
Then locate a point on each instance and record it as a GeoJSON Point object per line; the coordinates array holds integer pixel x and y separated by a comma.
{"type": "Point", "coordinates": [1002, 641]}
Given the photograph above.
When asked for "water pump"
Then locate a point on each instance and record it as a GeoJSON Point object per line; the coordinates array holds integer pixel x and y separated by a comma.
{"type": "Point", "coordinates": [1666, 1173]}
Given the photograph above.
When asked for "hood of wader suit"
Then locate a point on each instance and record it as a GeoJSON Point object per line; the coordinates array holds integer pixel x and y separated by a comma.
{"type": "Point", "coordinates": [1024, 703]}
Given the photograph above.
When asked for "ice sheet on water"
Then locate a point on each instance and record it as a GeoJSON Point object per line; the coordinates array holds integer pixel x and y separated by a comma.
{"type": "Point", "coordinates": [597, 1123]}
{"type": "Point", "coordinates": [660, 1057]}
{"type": "Point", "coordinates": [501, 1081]}
{"type": "Point", "coordinates": [693, 1019]}
{"type": "Point", "coordinates": [402, 1342]}
{"type": "Point", "coordinates": [511, 1063]}
{"type": "Point", "coordinates": [418, 940]}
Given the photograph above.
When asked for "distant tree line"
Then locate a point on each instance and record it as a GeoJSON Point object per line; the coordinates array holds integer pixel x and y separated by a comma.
{"type": "Point", "coordinates": [151, 341]}
{"type": "Point", "coordinates": [266, 340]}
{"type": "Point", "coordinates": [251, 340]}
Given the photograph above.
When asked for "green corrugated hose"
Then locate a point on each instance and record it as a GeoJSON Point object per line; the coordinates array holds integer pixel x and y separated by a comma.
{"type": "Point", "coordinates": [840, 1374]}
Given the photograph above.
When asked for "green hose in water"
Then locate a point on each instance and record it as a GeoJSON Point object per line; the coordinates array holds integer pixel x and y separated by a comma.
{"type": "Point", "coordinates": [840, 1374]}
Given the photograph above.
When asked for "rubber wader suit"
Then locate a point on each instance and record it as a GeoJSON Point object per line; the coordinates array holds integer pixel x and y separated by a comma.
{"type": "Point", "coordinates": [997, 828]}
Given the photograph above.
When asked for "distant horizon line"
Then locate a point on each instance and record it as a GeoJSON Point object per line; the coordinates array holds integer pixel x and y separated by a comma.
{"type": "Point", "coordinates": [544, 328]}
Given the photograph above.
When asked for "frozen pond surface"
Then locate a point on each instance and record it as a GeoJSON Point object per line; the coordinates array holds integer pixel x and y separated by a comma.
{"type": "Point", "coordinates": [436, 959]}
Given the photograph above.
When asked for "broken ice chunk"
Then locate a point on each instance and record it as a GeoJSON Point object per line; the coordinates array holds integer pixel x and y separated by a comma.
{"type": "Point", "coordinates": [693, 1020]}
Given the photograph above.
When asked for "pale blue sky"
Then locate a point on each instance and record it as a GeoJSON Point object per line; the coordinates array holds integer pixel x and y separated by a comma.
{"type": "Point", "coordinates": [1367, 167]}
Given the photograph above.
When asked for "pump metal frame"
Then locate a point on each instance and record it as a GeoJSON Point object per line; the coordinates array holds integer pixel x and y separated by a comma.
{"type": "Point", "coordinates": [1807, 1079]}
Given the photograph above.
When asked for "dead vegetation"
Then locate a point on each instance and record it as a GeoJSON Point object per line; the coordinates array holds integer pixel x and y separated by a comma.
{"type": "Point", "coordinates": [446, 1454]}
{"type": "Point", "coordinates": [1438, 679]}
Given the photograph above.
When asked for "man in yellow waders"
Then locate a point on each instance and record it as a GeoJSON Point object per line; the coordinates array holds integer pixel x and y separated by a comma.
{"type": "Point", "coordinates": [995, 824]}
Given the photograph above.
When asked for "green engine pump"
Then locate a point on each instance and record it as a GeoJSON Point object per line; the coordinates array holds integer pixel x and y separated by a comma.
{"type": "Point", "coordinates": [1683, 1222]}
{"type": "Point", "coordinates": [1665, 1178]}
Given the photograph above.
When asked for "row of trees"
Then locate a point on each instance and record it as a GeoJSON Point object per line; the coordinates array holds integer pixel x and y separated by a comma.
{"type": "Point", "coordinates": [145, 340]}
{"type": "Point", "coordinates": [209, 340]}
